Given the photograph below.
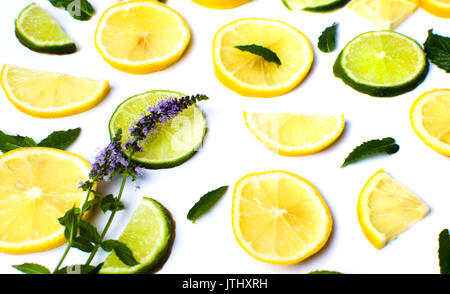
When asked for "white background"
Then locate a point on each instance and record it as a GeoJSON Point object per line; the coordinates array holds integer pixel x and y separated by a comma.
{"type": "Point", "coordinates": [230, 151]}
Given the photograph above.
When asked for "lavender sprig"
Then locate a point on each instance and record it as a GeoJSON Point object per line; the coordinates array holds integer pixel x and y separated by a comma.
{"type": "Point", "coordinates": [117, 159]}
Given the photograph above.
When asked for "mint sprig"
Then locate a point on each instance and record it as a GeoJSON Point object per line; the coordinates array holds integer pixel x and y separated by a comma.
{"type": "Point", "coordinates": [58, 140]}
{"type": "Point", "coordinates": [262, 51]}
{"type": "Point", "coordinates": [372, 147]}
{"type": "Point", "coordinates": [205, 203]}
{"type": "Point", "coordinates": [327, 40]}
{"type": "Point", "coordinates": [437, 49]}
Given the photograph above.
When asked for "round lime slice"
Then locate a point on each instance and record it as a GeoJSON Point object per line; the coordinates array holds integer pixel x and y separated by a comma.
{"type": "Point", "coordinates": [382, 64]}
{"type": "Point", "coordinates": [173, 143]}
{"type": "Point", "coordinates": [38, 31]}
{"type": "Point", "coordinates": [149, 235]}
{"type": "Point", "coordinates": [314, 5]}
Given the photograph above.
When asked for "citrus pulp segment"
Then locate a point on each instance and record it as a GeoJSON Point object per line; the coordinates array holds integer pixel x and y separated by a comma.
{"type": "Point", "coordinates": [37, 186]}
{"type": "Point", "coordinates": [249, 74]}
{"type": "Point", "coordinates": [149, 235]}
{"type": "Point", "coordinates": [173, 143]}
{"type": "Point", "coordinates": [430, 119]}
{"type": "Point", "coordinates": [49, 95]}
{"type": "Point", "coordinates": [279, 217]}
{"type": "Point", "coordinates": [386, 209]}
{"type": "Point", "coordinates": [294, 134]}
{"type": "Point", "coordinates": [141, 36]}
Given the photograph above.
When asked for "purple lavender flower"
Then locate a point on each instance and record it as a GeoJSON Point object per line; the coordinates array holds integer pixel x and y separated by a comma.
{"type": "Point", "coordinates": [155, 116]}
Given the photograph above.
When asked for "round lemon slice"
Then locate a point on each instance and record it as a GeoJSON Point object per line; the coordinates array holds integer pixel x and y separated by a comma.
{"type": "Point", "coordinates": [439, 8]}
{"type": "Point", "coordinates": [37, 186]}
{"type": "Point", "coordinates": [141, 36]}
{"type": "Point", "coordinates": [49, 95]}
{"type": "Point", "coordinates": [386, 209]}
{"type": "Point", "coordinates": [430, 119]}
{"type": "Point", "coordinates": [251, 75]}
{"type": "Point", "coordinates": [294, 134]}
{"type": "Point", "coordinates": [279, 217]}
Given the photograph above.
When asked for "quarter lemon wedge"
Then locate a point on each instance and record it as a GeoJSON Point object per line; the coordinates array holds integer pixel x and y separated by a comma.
{"type": "Point", "coordinates": [37, 186]}
{"type": "Point", "coordinates": [49, 95]}
{"type": "Point", "coordinates": [386, 209]}
{"type": "Point", "coordinates": [293, 134]}
{"type": "Point", "coordinates": [141, 36]}
{"type": "Point", "coordinates": [279, 217]}
{"type": "Point", "coordinates": [249, 74]}
{"type": "Point", "coordinates": [387, 14]}
{"type": "Point", "coordinates": [430, 119]}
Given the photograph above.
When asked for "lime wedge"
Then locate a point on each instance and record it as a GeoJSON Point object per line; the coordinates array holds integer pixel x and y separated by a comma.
{"type": "Point", "coordinates": [149, 235]}
{"type": "Point", "coordinates": [38, 31]}
{"type": "Point", "coordinates": [173, 143]}
{"type": "Point", "coordinates": [314, 5]}
{"type": "Point", "coordinates": [382, 64]}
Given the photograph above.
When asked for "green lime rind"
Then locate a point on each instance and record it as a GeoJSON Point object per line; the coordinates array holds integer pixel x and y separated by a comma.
{"type": "Point", "coordinates": [140, 158]}
{"type": "Point", "coordinates": [163, 238]}
{"type": "Point", "coordinates": [57, 41]}
{"type": "Point", "coordinates": [320, 7]}
{"type": "Point", "coordinates": [379, 90]}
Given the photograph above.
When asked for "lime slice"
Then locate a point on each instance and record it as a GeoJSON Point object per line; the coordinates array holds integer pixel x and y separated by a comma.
{"type": "Point", "coordinates": [382, 64]}
{"type": "Point", "coordinates": [38, 31]}
{"type": "Point", "coordinates": [173, 143]}
{"type": "Point", "coordinates": [149, 235]}
{"type": "Point", "coordinates": [314, 5]}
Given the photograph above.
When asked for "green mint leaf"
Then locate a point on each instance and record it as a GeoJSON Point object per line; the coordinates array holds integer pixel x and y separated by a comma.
{"type": "Point", "coordinates": [264, 52]}
{"type": "Point", "coordinates": [69, 222]}
{"type": "Point", "coordinates": [327, 40]}
{"type": "Point", "coordinates": [366, 149]}
{"type": "Point", "coordinates": [8, 142]}
{"type": "Point", "coordinates": [162, 1]}
{"type": "Point", "coordinates": [324, 272]}
{"type": "Point", "coordinates": [205, 203]}
{"type": "Point", "coordinates": [437, 49]}
{"type": "Point", "coordinates": [121, 250]}
{"type": "Point", "coordinates": [109, 202]}
{"type": "Point", "coordinates": [89, 232]}
{"type": "Point", "coordinates": [444, 252]}
{"type": "Point", "coordinates": [77, 269]}
{"type": "Point", "coordinates": [88, 204]}
{"type": "Point", "coordinates": [78, 9]}
{"type": "Point", "coordinates": [32, 268]}
{"type": "Point", "coordinates": [60, 139]}
{"type": "Point", "coordinates": [82, 244]}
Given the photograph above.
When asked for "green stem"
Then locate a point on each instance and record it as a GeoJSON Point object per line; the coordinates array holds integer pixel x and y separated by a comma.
{"type": "Point", "coordinates": [69, 244]}
{"type": "Point", "coordinates": [108, 224]}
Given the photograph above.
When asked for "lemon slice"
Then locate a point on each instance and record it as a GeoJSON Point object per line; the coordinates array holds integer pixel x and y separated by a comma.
{"type": "Point", "coordinates": [430, 119]}
{"type": "Point", "coordinates": [386, 209]}
{"type": "Point", "coordinates": [249, 74]}
{"type": "Point", "coordinates": [221, 4]}
{"type": "Point", "coordinates": [294, 134]}
{"type": "Point", "coordinates": [37, 186]}
{"type": "Point", "coordinates": [279, 217]}
{"type": "Point", "coordinates": [141, 36]}
{"type": "Point", "coordinates": [439, 8]}
{"type": "Point", "coordinates": [49, 95]}
{"type": "Point", "coordinates": [387, 14]}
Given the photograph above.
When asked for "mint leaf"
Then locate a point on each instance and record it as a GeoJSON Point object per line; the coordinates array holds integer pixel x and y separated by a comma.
{"type": "Point", "coordinates": [264, 52]}
{"type": "Point", "coordinates": [60, 139]}
{"type": "Point", "coordinates": [372, 147]}
{"type": "Point", "coordinates": [205, 203]}
{"type": "Point", "coordinates": [121, 250]}
{"type": "Point", "coordinates": [32, 268]}
{"type": "Point", "coordinates": [444, 252]}
{"type": "Point", "coordinates": [437, 49]}
{"type": "Point", "coordinates": [78, 9]}
{"type": "Point", "coordinates": [8, 142]}
{"type": "Point", "coordinates": [89, 232]}
{"type": "Point", "coordinates": [327, 40]}
{"type": "Point", "coordinates": [321, 272]}
{"type": "Point", "coordinates": [69, 222]}
{"type": "Point", "coordinates": [109, 202]}
{"type": "Point", "coordinates": [82, 244]}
